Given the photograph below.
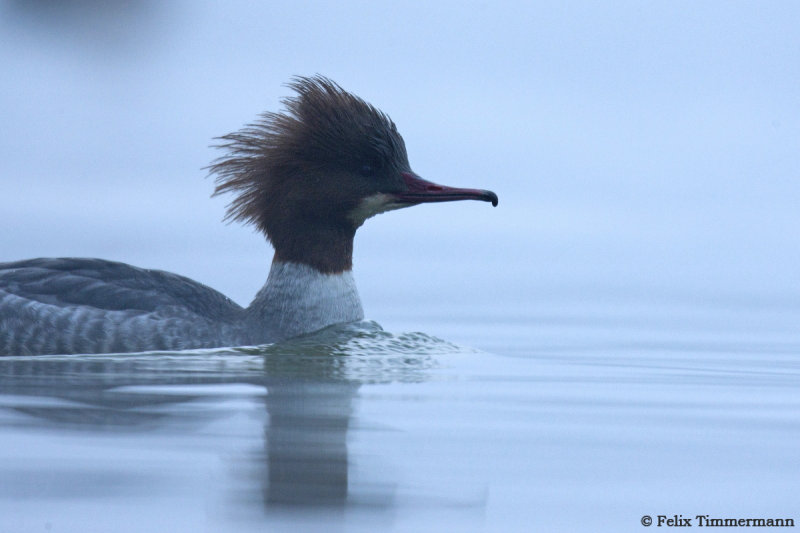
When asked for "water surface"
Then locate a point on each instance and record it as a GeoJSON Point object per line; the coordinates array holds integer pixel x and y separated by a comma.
{"type": "Point", "coordinates": [576, 420]}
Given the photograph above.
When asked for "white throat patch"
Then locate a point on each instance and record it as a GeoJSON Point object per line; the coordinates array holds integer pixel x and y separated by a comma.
{"type": "Point", "coordinates": [373, 205]}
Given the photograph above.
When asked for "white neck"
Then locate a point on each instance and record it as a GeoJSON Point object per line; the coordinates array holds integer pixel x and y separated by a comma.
{"type": "Point", "coordinates": [299, 299]}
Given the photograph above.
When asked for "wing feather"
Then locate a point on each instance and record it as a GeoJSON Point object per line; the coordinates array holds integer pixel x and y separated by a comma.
{"type": "Point", "coordinates": [70, 305]}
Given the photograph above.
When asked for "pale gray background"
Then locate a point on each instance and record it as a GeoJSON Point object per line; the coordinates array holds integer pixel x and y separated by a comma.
{"type": "Point", "coordinates": [639, 149]}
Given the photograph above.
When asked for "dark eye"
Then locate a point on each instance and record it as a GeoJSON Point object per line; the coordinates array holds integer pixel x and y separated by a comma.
{"type": "Point", "coordinates": [366, 170]}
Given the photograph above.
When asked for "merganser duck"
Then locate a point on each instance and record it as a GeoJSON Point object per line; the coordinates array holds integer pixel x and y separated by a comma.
{"type": "Point", "coordinates": [307, 177]}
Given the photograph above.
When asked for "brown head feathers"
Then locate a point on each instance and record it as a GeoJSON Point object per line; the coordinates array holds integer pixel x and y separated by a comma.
{"type": "Point", "coordinates": [309, 176]}
{"type": "Point", "coordinates": [290, 167]}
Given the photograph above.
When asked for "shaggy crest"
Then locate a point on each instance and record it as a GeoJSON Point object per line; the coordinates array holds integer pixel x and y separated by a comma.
{"type": "Point", "coordinates": [324, 130]}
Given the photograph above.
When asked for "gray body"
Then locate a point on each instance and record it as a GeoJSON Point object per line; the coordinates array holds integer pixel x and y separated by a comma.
{"type": "Point", "coordinates": [59, 306]}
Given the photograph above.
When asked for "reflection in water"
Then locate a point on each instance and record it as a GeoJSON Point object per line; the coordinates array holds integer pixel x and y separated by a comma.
{"type": "Point", "coordinates": [306, 442]}
{"type": "Point", "coordinates": [310, 383]}
{"type": "Point", "coordinates": [94, 392]}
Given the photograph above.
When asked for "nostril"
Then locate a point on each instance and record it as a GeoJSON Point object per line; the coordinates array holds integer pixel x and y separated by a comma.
{"type": "Point", "coordinates": [434, 188]}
